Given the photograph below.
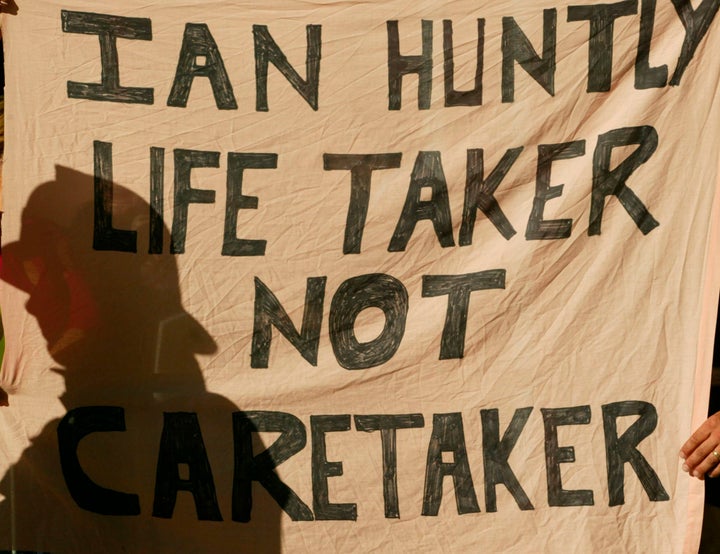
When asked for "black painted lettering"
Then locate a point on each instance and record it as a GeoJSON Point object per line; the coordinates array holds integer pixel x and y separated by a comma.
{"type": "Point", "coordinates": [556, 455]}
{"type": "Point", "coordinates": [157, 188]}
{"type": "Point", "coordinates": [454, 97]}
{"type": "Point", "coordinates": [496, 452]}
{"type": "Point", "coordinates": [647, 76]}
{"type": "Point", "coordinates": [539, 228]}
{"type": "Point", "coordinates": [249, 467]}
{"type": "Point", "coordinates": [236, 200]}
{"type": "Point", "coordinates": [76, 425]}
{"type": "Point", "coordinates": [108, 28]}
{"type": "Point", "coordinates": [388, 426]}
{"type": "Point", "coordinates": [105, 236]}
{"type": "Point", "coordinates": [479, 193]}
{"type": "Point", "coordinates": [322, 468]}
{"type": "Point", "coordinates": [267, 51]}
{"type": "Point", "coordinates": [458, 288]}
{"type": "Point", "coordinates": [200, 57]}
{"type": "Point", "coordinates": [428, 172]}
{"type": "Point", "coordinates": [399, 66]}
{"type": "Point", "coordinates": [448, 436]}
{"type": "Point", "coordinates": [602, 23]}
{"type": "Point", "coordinates": [182, 443]}
{"type": "Point", "coordinates": [361, 167]}
{"type": "Point", "coordinates": [696, 23]}
{"type": "Point", "coordinates": [185, 161]}
{"type": "Point", "coordinates": [620, 450]}
{"type": "Point", "coordinates": [269, 311]}
{"type": "Point", "coordinates": [608, 182]}
{"type": "Point", "coordinates": [375, 290]}
{"type": "Point", "coordinates": [517, 48]}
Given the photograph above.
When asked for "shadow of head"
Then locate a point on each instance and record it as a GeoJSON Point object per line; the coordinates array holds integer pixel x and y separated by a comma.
{"type": "Point", "coordinates": [123, 308]}
{"type": "Point", "coordinates": [115, 321]}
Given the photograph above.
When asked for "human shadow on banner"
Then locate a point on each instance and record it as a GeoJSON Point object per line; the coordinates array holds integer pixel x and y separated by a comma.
{"type": "Point", "coordinates": [146, 459]}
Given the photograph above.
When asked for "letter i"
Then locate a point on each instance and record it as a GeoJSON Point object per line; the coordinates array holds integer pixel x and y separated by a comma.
{"type": "Point", "coordinates": [157, 174]}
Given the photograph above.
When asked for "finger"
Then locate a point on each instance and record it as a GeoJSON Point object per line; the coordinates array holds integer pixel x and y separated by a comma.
{"type": "Point", "coordinates": [709, 463]}
{"type": "Point", "coordinates": [695, 440]}
{"type": "Point", "coordinates": [697, 456]}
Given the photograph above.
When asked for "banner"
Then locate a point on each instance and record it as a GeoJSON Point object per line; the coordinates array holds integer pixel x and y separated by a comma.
{"type": "Point", "coordinates": [315, 276]}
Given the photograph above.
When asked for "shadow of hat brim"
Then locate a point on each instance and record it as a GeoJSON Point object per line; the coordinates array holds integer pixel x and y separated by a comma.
{"type": "Point", "coordinates": [13, 270]}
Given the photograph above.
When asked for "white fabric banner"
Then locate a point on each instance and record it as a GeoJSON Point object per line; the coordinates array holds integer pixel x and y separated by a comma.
{"type": "Point", "coordinates": [316, 276]}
